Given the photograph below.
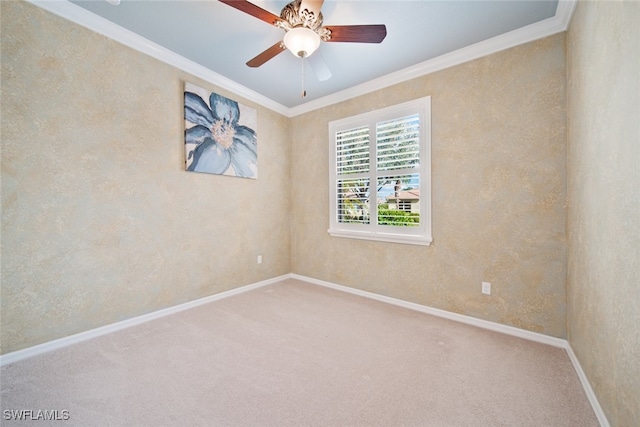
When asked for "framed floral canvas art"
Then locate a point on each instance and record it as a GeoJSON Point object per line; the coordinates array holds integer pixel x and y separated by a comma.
{"type": "Point", "coordinates": [220, 134]}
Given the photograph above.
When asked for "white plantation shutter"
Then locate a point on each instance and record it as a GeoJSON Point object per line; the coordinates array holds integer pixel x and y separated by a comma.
{"type": "Point", "coordinates": [352, 151]}
{"type": "Point", "coordinates": [398, 143]}
{"type": "Point", "coordinates": [380, 174]}
{"type": "Point", "coordinates": [352, 166]}
{"type": "Point", "coordinates": [353, 201]}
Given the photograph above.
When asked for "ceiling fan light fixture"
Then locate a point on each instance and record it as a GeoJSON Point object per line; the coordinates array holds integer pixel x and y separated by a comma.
{"type": "Point", "coordinates": [301, 41]}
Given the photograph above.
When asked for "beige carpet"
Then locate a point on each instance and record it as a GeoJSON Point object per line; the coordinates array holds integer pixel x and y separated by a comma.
{"type": "Point", "coordinates": [299, 354]}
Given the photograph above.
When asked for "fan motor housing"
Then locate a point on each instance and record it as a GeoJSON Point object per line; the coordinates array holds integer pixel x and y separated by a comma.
{"type": "Point", "coordinates": [295, 17]}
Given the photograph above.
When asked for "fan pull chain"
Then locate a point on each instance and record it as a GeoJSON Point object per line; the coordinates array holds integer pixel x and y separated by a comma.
{"type": "Point", "coordinates": [304, 92]}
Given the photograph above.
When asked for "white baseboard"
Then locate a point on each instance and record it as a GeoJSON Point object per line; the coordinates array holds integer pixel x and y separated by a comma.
{"type": "Point", "coordinates": [485, 324]}
{"type": "Point", "coordinates": [497, 327]}
{"type": "Point", "coordinates": [103, 330]}
{"type": "Point", "coordinates": [602, 418]}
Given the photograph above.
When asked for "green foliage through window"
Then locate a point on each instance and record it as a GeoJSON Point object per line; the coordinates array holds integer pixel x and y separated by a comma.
{"type": "Point", "coordinates": [398, 218]}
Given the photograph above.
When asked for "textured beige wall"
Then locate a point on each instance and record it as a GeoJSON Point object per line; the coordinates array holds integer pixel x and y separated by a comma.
{"type": "Point", "coordinates": [99, 221]}
{"type": "Point", "coordinates": [603, 313]}
{"type": "Point", "coordinates": [499, 177]}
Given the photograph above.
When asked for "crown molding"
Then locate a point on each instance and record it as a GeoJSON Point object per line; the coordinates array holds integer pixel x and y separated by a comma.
{"type": "Point", "coordinates": [564, 12]}
{"type": "Point", "coordinates": [100, 25]}
{"type": "Point", "coordinates": [529, 33]}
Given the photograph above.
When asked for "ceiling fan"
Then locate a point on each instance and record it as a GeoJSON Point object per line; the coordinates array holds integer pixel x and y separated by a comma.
{"type": "Point", "coordinates": [302, 22]}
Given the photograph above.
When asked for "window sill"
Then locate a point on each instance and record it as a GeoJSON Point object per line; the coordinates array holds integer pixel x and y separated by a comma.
{"type": "Point", "coordinates": [408, 239]}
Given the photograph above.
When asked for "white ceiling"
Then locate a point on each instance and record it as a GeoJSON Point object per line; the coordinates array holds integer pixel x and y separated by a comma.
{"type": "Point", "coordinates": [215, 40]}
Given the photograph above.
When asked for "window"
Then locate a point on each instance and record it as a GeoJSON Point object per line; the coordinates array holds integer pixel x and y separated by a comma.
{"type": "Point", "coordinates": [404, 205]}
{"type": "Point", "coordinates": [380, 173]}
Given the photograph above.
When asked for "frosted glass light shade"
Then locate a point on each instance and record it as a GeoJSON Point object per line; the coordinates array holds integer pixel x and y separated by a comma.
{"type": "Point", "coordinates": [301, 41]}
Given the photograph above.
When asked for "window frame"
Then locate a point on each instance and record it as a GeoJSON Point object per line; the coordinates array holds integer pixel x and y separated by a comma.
{"type": "Point", "coordinates": [419, 235]}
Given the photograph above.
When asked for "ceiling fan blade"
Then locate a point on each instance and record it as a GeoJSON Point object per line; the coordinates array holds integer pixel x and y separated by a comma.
{"type": "Point", "coordinates": [253, 10]}
{"type": "Point", "coordinates": [320, 67]}
{"type": "Point", "coordinates": [357, 33]}
{"type": "Point", "coordinates": [312, 6]}
{"type": "Point", "coordinates": [266, 55]}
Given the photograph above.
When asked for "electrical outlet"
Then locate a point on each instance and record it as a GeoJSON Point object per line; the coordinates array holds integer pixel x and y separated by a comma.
{"type": "Point", "coordinates": [486, 288]}
{"type": "Point", "coordinates": [259, 259]}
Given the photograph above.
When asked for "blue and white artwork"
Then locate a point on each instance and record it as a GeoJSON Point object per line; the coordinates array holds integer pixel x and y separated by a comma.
{"type": "Point", "coordinates": [220, 134]}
